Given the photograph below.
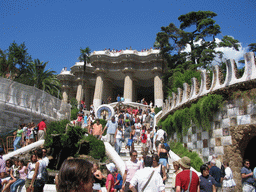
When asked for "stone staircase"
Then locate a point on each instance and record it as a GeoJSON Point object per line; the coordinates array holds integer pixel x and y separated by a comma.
{"type": "Point", "coordinates": [125, 156]}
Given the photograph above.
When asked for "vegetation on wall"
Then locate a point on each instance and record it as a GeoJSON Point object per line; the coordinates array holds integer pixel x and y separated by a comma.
{"type": "Point", "coordinates": [181, 151]}
{"type": "Point", "coordinates": [199, 114]}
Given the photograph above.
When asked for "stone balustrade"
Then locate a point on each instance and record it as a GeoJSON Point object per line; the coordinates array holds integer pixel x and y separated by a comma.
{"type": "Point", "coordinates": [189, 94]}
{"type": "Point", "coordinates": [21, 104]}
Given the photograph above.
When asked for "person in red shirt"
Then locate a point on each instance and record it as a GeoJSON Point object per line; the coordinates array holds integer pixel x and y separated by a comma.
{"type": "Point", "coordinates": [183, 178]}
{"type": "Point", "coordinates": [41, 129]}
{"type": "Point", "coordinates": [143, 138]}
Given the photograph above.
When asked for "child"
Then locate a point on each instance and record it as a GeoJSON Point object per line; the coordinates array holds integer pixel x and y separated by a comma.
{"type": "Point", "coordinates": [118, 181]}
{"type": "Point", "coordinates": [110, 178]}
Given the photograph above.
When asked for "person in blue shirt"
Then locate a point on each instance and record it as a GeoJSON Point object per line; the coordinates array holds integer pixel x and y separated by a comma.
{"type": "Point", "coordinates": [112, 126]}
{"type": "Point", "coordinates": [207, 182]}
{"type": "Point", "coordinates": [247, 177]}
{"type": "Point", "coordinates": [215, 172]}
{"type": "Point", "coordinates": [118, 98]}
{"type": "Point", "coordinates": [118, 181]}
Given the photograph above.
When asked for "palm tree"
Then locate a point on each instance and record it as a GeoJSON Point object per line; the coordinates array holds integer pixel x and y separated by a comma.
{"type": "Point", "coordinates": [42, 79]}
{"type": "Point", "coordinates": [85, 56]}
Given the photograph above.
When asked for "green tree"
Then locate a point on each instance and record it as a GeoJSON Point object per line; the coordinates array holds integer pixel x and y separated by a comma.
{"type": "Point", "coordinates": [14, 60]}
{"type": "Point", "coordinates": [197, 31]}
{"type": "Point", "coordinates": [37, 76]}
{"type": "Point", "coordinates": [252, 47]}
{"type": "Point", "coordinates": [85, 56]}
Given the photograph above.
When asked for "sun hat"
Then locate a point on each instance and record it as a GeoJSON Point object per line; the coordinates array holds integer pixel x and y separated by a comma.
{"type": "Point", "coordinates": [111, 167]}
{"type": "Point", "coordinates": [185, 162]}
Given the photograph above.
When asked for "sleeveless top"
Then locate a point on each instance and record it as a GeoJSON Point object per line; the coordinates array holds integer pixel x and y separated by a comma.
{"type": "Point", "coordinates": [31, 170]}
{"type": "Point", "coordinates": [15, 171]}
{"type": "Point", "coordinates": [42, 165]}
{"type": "Point", "coordinates": [119, 134]}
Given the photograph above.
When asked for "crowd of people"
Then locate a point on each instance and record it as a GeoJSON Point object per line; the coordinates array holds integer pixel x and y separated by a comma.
{"type": "Point", "coordinates": [29, 133]}
{"type": "Point", "coordinates": [15, 172]}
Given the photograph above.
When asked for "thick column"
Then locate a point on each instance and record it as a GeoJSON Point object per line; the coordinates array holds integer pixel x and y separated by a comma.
{"type": "Point", "coordinates": [158, 90]}
{"type": "Point", "coordinates": [79, 93]}
{"type": "Point", "coordinates": [99, 86]}
{"type": "Point", "coordinates": [128, 86]}
{"type": "Point", "coordinates": [65, 95]}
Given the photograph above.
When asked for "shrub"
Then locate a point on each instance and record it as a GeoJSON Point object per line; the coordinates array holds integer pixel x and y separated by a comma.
{"type": "Point", "coordinates": [97, 147]}
{"type": "Point", "coordinates": [74, 112]}
{"type": "Point", "coordinates": [181, 151]}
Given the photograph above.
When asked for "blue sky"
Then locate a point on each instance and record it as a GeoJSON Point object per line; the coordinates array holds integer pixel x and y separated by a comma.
{"type": "Point", "coordinates": [54, 30]}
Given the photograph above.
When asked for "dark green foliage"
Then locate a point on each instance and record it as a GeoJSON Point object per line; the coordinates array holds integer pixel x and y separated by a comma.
{"type": "Point", "coordinates": [157, 109]}
{"type": "Point", "coordinates": [97, 147]}
{"type": "Point", "coordinates": [70, 139]}
{"type": "Point", "coordinates": [74, 112]}
{"type": "Point", "coordinates": [55, 127]}
{"type": "Point", "coordinates": [200, 114]}
{"type": "Point", "coordinates": [181, 151]}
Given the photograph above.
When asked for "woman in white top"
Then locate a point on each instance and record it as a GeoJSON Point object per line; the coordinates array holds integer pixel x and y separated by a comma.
{"type": "Point", "coordinates": [228, 181]}
{"type": "Point", "coordinates": [118, 139]}
{"type": "Point", "coordinates": [30, 172]}
{"type": "Point", "coordinates": [177, 170]}
{"type": "Point", "coordinates": [37, 179]}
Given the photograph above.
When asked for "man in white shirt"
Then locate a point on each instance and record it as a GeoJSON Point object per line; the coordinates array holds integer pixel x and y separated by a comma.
{"type": "Point", "coordinates": [148, 179]}
{"type": "Point", "coordinates": [159, 136]}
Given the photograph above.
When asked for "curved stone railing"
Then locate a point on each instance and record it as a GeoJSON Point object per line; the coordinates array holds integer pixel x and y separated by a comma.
{"type": "Point", "coordinates": [117, 53]}
{"type": "Point", "coordinates": [188, 94]}
{"type": "Point", "coordinates": [21, 103]}
{"type": "Point", "coordinates": [30, 99]}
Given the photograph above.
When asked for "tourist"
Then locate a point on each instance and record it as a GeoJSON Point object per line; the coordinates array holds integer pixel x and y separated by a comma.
{"type": "Point", "coordinates": [143, 139]}
{"type": "Point", "coordinates": [130, 143]}
{"type": "Point", "coordinates": [24, 127]}
{"type": "Point", "coordinates": [160, 135]}
{"type": "Point", "coordinates": [14, 174]}
{"type": "Point", "coordinates": [109, 99]}
{"type": "Point", "coordinates": [110, 178]}
{"type": "Point", "coordinates": [131, 166]}
{"type": "Point", "coordinates": [118, 181]}
{"type": "Point", "coordinates": [37, 179]}
{"type": "Point", "coordinates": [149, 143]}
{"type": "Point", "coordinates": [97, 129]}
{"type": "Point", "coordinates": [177, 170]}
{"type": "Point", "coordinates": [30, 172]}
{"type": "Point", "coordinates": [22, 177]}
{"type": "Point", "coordinates": [247, 177]}
{"type": "Point", "coordinates": [41, 130]}
{"type": "Point", "coordinates": [163, 156]}
{"type": "Point", "coordinates": [75, 175]}
{"type": "Point", "coordinates": [18, 134]}
{"type": "Point", "coordinates": [159, 168]}
{"type": "Point", "coordinates": [207, 182]}
{"type": "Point", "coordinates": [97, 175]}
{"type": "Point", "coordinates": [2, 164]}
{"type": "Point", "coordinates": [147, 178]}
{"type": "Point", "coordinates": [118, 98]}
{"type": "Point", "coordinates": [45, 158]}
{"type": "Point", "coordinates": [228, 181]}
{"type": "Point", "coordinates": [85, 121]}
{"type": "Point", "coordinates": [119, 137]}
{"type": "Point", "coordinates": [30, 133]}
{"type": "Point", "coordinates": [215, 172]}
{"type": "Point", "coordinates": [7, 174]}
{"type": "Point", "coordinates": [112, 126]}
{"type": "Point", "coordinates": [186, 179]}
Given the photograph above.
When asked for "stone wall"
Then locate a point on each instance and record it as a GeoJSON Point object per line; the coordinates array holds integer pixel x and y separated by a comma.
{"type": "Point", "coordinates": [231, 130]}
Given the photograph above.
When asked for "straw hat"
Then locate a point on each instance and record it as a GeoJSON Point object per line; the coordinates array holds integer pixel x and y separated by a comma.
{"type": "Point", "coordinates": [185, 162]}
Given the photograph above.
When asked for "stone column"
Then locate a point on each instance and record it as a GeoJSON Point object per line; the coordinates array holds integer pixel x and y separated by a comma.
{"type": "Point", "coordinates": [128, 86]}
{"type": "Point", "coordinates": [99, 86]}
{"type": "Point", "coordinates": [79, 93]}
{"type": "Point", "coordinates": [158, 89]}
{"type": "Point", "coordinates": [65, 95]}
